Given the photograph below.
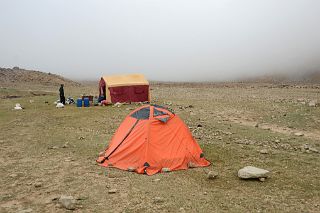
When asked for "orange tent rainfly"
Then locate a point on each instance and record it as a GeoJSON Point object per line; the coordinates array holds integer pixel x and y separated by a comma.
{"type": "Point", "coordinates": [152, 139]}
{"type": "Point", "coordinates": [124, 88]}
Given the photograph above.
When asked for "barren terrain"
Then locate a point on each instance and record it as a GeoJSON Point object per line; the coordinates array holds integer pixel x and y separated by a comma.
{"type": "Point", "coordinates": [47, 152]}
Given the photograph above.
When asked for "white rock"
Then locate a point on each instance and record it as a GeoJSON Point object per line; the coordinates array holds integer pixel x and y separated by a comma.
{"type": "Point", "coordinates": [212, 175]}
{"type": "Point", "coordinates": [298, 134]}
{"type": "Point", "coordinates": [17, 107]}
{"type": "Point", "coordinates": [112, 191]}
{"type": "Point", "coordinates": [312, 103]}
{"type": "Point", "coordinates": [67, 202]}
{"type": "Point", "coordinates": [263, 151]}
{"type": "Point", "coordinates": [252, 172]}
{"type": "Point", "coordinates": [313, 150]}
{"type": "Point", "coordinates": [25, 211]}
{"type": "Point", "coordinates": [60, 105]}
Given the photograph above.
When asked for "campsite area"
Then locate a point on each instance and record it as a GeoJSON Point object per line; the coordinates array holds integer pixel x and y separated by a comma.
{"type": "Point", "coordinates": [47, 152]}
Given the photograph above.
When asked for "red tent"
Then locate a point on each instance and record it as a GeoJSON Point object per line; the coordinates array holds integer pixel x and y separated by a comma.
{"type": "Point", "coordinates": [152, 139]}
{"type": "Point", "coordinates": [124, 88]}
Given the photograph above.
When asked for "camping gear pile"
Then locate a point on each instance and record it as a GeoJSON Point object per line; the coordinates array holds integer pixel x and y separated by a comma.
{"type": "Point", "coordinates": [70, 100]}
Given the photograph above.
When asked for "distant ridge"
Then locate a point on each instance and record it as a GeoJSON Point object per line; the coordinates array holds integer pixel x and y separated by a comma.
{"type": "Point", "coordinates": [16, 75]}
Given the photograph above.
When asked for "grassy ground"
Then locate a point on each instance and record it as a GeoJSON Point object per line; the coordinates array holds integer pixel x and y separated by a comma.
{"type": "Point", "coordinates": [47, 152]}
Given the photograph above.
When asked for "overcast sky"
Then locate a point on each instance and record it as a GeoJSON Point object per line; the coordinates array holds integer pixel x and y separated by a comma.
{"type": "Point", "coordinates": [178, 40]}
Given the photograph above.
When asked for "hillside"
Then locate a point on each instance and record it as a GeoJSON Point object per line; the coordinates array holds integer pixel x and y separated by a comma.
{"type": "Point", "coordinates": [17, 76]}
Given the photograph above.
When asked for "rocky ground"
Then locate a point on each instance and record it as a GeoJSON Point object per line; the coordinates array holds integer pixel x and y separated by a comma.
{"type": "Point", "coordinates": [48, 155]}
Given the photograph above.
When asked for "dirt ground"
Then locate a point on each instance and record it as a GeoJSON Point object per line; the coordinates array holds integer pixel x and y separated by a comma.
{"type": "Point", "coordinates": [47, 152]}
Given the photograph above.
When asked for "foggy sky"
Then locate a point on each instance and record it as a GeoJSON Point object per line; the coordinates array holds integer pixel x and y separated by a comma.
{"type": "Point", "coordinates": [177, 40]}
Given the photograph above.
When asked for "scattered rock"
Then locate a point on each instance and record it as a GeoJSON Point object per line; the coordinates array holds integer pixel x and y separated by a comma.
{"type": "Point", "coordinates": [182, 209]}
{"type": "Point", "coordinates": [192, 165]}
{"type": "Point", "coordinates": [158, 200]}
{"type": "Point", "coordinates": [38, 184]}
{"type": "Point", "coordinates": [165, 169]}
{"type": "Point", "coordinates": [257, 125]}
{"type": "Point", "coordinates": [18, 107]}
{"type": "Point", "coordinates": [81, 138]}
{"type": "Point", "coordinates": [262, 179]}
{"type": "Point", "coordinates": [118, 104]}
{"type": "Point", "coordinates": [299, 134]}
{"type": "Point", "coordinates": [263, 151]}
{"type": "Point", "coordinates": [13, 175]}
{"type": "Point", "coordinates": [265, 128]}
{"type": "Point", "coordinates": [250, 172]}
{"type": "Point", "coordinates": [66, 145]}
{"type": "Point", "coordinates": [312, 103]}
{"type": "Point", "coordinates": [67, 202]}
{"type": "Point", "coordinates": [59, 105]}
{"type": "Point", "coordinates": [25, 211]}
{"type": "Point", "coordinates": [313, 150]}
{"type": "Point", "coordinates": [112, 191]}
{"type": "Point", "coordinates": [199, 125]}
{"type": "Point", "coordinates": [212, 175]}
{"type": "Point", "coordinates": [156, 180]}
{"type": "Point", "coordinates": [131, 169]}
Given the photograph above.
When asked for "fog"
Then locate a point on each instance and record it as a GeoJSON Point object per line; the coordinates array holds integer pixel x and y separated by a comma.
{"type": "Point", "coordinates": [167, 40]}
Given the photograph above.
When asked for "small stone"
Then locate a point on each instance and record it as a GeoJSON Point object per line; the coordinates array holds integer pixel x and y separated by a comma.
{"type": "Point", "coordinates": [13, 175]}
{"type": "Point", "coordinates": [25, 211]}
{"type": "Point", "coordinates": [262, 179]}
{"type": "Point", "coordinates": [156, 180]}
{"type": "Point", "coordinates": [131, 169]}
{"type": "Point", "coordinates": [312, 103]}
{"type": "Point", "coordinates": [299, 134]}
{"type": "Point", "coordinates": [257, 125]}
{"type": "Point", "coordinates": [158, 200]}
{"type": "Point", "coordinates": [313, 150]}
{"type": "Point", "coordinates": [66, 145]}
{"type": "Point", "coordinates": [277, 141]}
{"type": "Point", "coordinates": [249, 172]}
{"type": "Point", "coordinates": [112, 191]}
{"type": "Point", "coordinates": [192, 165]}
{"type": "Point", "coordinates": [38, 184]}
{"type": "Point", "coordinates": [263, 151]}
{"type": "Point", "coordinates": [182, 209]}
{"type": "Point", "coordinates": [212, 175]}
{"type": "Point", "coordinates": [199, 125]}
{"type": "Point", "coordinates": [165, 170]}
{"type": "Point", "coordinates": [67, 202]}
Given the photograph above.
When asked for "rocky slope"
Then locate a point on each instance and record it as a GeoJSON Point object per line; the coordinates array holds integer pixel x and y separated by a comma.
{"type": "Point", "coordinates": [17, 76]}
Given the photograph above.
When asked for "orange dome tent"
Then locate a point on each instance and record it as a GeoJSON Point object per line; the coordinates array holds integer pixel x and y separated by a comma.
{"type": "Point", "coordinates": [152, 139]}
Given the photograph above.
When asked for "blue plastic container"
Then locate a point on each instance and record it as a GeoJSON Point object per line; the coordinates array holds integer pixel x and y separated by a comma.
{"type": "Point", "coordinates": [86, 102]}
{"type": "Point", "coordinates": [79, 102]}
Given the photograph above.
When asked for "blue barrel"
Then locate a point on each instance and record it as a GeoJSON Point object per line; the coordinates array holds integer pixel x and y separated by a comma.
{"type": "Point", "coordinates": [79, 102]}
{"type": "Point", "coordinates": [86, 102]}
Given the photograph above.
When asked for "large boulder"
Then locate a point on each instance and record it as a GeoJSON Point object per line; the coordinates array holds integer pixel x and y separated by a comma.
{"type": "Point", "coordinates": [250, 172]}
